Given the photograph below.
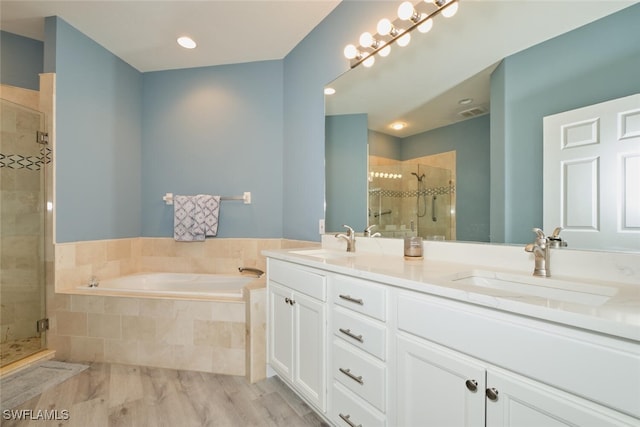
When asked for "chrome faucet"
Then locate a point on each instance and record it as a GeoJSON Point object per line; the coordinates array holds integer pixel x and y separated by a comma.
{"type": "Point", "coordinates": [367, 232]}
{"type": "Point", "coordinates": [259, 273]}
{"type": "Point", "coordinates": [541, 249]}
{"type": "Point", "coordinates": [350, 237]}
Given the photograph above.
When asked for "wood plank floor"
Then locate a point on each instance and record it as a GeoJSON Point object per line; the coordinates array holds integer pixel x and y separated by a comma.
{"type": "Point", "coordinates": [113, 395]}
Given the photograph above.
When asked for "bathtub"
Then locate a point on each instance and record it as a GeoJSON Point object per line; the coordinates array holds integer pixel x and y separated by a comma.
{"type": "Point", "coordinates": [173, 285]}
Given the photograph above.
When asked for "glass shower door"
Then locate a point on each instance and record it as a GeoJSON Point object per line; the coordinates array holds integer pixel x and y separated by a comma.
{"type": "Point", "coordinates": [22, 230]}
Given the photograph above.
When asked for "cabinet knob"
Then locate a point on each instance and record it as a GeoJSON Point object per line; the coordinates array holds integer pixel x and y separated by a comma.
{"type": "Point", "coordinates": [472, 385]}
{"type": "Point", "coordinates": [492, 394]}
{"type": "Point", "coordinates": [287, 300]}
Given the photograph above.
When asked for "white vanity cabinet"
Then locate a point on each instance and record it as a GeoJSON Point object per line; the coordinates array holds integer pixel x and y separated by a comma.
{"type": "Point", "coordinates": [446, 387]}
{"type": "Point", "coordinates": [297, 328]}
{"type": "Point", "coordinates": [437, 387]}
{"type": "Point", "coordinates": [375, 353]}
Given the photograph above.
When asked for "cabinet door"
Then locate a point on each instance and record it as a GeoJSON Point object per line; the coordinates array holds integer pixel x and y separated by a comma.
{"type": "Point", "coordinates": [281, 330]}
{"type": "Point", "coordinates": [438, 387]}
{"type": "Point", "coordinates": [513, 400]}
{"type": "Point", "coordinates": [310, 344]}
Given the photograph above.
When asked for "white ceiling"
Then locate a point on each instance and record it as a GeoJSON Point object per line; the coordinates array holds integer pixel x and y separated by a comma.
{"type": "Point", "coordinates": [143, 32]}
{"type": "Point", "coordinates": [422, 83]}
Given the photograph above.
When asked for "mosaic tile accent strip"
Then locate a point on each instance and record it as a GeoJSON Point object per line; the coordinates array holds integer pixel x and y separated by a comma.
{"type": "Point", "coordinates": [17, 161]}
{"type": "Point", "coordinates": [434, 191]}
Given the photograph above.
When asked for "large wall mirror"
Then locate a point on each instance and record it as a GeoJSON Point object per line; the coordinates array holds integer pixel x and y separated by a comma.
{"type": "Point", "coordinates": [472, 94]}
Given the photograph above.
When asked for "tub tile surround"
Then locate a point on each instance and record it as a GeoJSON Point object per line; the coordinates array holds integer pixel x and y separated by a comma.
{"type": "Point", "coordinates": [227, 337]}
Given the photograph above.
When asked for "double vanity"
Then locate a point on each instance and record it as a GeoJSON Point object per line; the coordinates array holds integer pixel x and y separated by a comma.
{"type": "Point", "coordinates": [465, 337]}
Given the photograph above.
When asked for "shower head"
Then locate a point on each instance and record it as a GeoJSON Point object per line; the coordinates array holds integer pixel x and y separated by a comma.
{"type": "Point", "coordinates": [418, 177]}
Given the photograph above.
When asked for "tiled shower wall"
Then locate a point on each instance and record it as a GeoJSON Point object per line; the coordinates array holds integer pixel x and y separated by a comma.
{"type": "Point", "coordinates": [398, 197]}
{"type": "Point", "coordinates": [23, 164]}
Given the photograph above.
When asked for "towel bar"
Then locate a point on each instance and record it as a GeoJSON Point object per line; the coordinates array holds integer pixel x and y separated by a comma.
{"type": "Point", "coordinates": [246, 198]}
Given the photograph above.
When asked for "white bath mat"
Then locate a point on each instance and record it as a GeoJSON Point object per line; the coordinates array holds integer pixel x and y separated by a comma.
{"type": "Point", "coordinates": [21, 386]}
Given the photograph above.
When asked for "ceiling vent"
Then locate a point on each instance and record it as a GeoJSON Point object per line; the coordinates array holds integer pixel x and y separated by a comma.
{"type": "Point", "coordinates": [473, 112]}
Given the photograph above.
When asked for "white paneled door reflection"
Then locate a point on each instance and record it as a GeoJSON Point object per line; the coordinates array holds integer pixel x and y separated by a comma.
{"type": "Point", "coordinates": [592, 174]}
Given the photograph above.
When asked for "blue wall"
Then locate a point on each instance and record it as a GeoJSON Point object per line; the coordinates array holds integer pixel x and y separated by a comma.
{"type": "Point", "coordinates": [314, 62]}
{"type": "Point", "coordinates": [125, 138]}
{"type": "Point", "coordinates": [470, 140]}
{"type": "Point", "coordinates": [346, 179]}
{"type": "Point", "coordinates": [383, 145]}
{"type": "Point", "coordinates": [98, 134]}
{"type": "Point", "coordinates": [214, 130]}
{"type": "Point", "coordinates": [591, 64]}
{"type": "Point", "coordinates": [108, 113]}
{"type": "Point", "coordinates": [21, 61]}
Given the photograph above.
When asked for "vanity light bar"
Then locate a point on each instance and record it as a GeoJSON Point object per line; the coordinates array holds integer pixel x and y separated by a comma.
{"type": "Point", "coordinates": [418, 16]}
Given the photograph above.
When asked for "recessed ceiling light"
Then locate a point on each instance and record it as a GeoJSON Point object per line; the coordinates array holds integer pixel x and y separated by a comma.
{"type": "Point", "coordinates": [465, 101]}
{"type": "Point", "coordinates": [186, 42]}
{"type": "Point", "coordinates": [329, 91]}
{"type": "Point", "coordinates": [398, 125]}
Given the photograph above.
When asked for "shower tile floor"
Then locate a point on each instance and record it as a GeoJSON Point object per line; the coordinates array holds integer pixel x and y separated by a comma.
{"type": "Point", "coordinates": [12, 351]}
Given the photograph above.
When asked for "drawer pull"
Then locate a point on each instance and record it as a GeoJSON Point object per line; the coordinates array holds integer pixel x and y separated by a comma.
{"type": "Point", "coordinates": [472, 385]}
{"type": "Point", "coordinates": [347, 420]}
{"type": "Point", "coordinates": [348, 373]}
{"type": "Point", "coordinates": [351, 299]}
{"type": "Point", "coordinates": [350, 334]}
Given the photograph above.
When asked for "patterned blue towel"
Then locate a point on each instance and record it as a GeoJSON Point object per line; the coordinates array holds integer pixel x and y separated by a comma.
{"type": "Point", "coordinates": [195, 217]}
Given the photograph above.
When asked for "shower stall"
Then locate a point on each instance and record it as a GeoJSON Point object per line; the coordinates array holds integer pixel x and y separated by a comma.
{"type": "Point", "coordinates": [412, 200]}
{"type": "Point", "coordinates": [24, 160]}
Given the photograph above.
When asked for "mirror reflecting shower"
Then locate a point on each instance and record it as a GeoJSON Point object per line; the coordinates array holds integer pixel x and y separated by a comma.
{"type": "Point", "coordinates": [412, 199]}
{"type": "Point", "coordinates": [23, 163]}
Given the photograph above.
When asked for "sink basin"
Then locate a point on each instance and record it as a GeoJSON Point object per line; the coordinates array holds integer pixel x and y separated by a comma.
{"type": "Point", "coordinates": [544, 287]}
{"type": "Point", "coordinates": [323, 253]}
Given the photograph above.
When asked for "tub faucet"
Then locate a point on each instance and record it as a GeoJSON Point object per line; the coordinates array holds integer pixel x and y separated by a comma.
{"type": "Point", "coordinates": [93, 282]}
{"type": "Point", "coordinates": [259, 273]}
{"type": "Point", "coordinates": [541, 249]}
{"type": "Point", "coordinates": [350, 237]}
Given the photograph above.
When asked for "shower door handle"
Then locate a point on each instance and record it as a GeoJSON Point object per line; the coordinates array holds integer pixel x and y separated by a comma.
{"type": "Point", "coordinates": [433, 209]}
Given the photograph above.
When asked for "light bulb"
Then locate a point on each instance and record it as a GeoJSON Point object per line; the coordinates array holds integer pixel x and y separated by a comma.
{"type": "Point", "coordinates": [405, 10]}
{"type": "Point", "coordinates": [384, 27]}
{"type": "Point", "coordinates": [404, 39]}
{"type": "Point", "coordinates": [426, 26]}
{"type": "Point", "coordinates": [350, 51]}
{"type": "Point", "coordinates": [186, 42]}
{"type": "Point", "coordinates": [366, 39]}
{"type": "Point", "coordinates": [369, 61]}
{"type": "Point", "coordinates": [385, 51]}
{"type": "Point", "coordinates": [450, 10]}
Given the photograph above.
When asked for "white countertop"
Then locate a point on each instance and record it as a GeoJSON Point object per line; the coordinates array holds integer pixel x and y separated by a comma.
{"type": "Point", "coordinates": [384, 262]}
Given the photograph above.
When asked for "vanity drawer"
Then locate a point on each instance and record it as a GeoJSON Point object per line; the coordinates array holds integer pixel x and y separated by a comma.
{"type": "Point", "coordinates": [348, 411]}
{"type": "Point", "coordinates": [361, 296]}
{"type": "Point", "coordinates": [360, 373]}
{"type": "Point", "coordinates": [298, 278]}
{"type": "Point", "coordinates": [359, 331]}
